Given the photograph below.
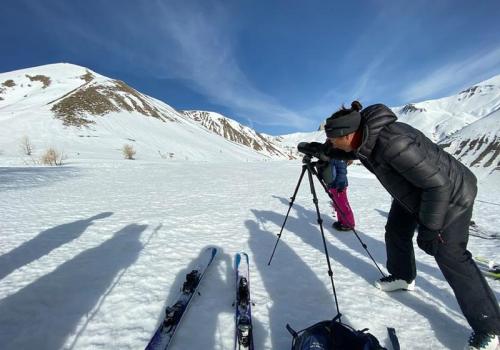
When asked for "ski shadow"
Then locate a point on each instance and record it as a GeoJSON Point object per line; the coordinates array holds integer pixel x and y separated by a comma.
{"type": "Point", "coordinates": [13, 178]}
{"type": "Point", "coordinates": [43, 314]}
{"type": "Point", "coordinates": [207, 305]}
{"type": "Point", "coordinates": [383, 213]}
{"type": "Point", "coordinates": [296, 295]}
{"type": "Point", "coordinates": [448, 331]}
{"type": "Point", "coordinates": [45, 242]}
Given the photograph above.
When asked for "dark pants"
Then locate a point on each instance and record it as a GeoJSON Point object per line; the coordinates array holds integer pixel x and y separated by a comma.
{"type": "Point", "coordinates": [475, 297]}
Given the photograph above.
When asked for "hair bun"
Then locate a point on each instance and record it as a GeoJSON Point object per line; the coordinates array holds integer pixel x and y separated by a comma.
{"type": "Point", "coordinates": [356, 106]}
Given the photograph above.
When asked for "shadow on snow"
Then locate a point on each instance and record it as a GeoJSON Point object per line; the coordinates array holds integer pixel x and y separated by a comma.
{"type": "Point", "coordinates": [219, 279]}
{"type": "Point", "coordinates": [288, 281]}
{"type": "Point", "coordinates": [44, 243]}
{"type": "Point", "coordinates": [13, 178]}
{"type": "Point", "coordinates": [43, 314]}
{"type": "Point", "coordinates": [447, 331]}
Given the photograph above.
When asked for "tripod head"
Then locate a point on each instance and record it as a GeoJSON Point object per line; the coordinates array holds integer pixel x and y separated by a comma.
{"type": "Point", "coordinates": [306, 159]}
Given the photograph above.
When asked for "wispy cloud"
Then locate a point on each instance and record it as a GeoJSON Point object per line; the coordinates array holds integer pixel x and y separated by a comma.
{"type": "Point", "coordinates": [372, 51]}
{"type": "Point", "coordinates": [205, 56]}
{"type": "Point", "coordinates": [188, 40]}
{"type": "Point", "coordinates": [454, 76]}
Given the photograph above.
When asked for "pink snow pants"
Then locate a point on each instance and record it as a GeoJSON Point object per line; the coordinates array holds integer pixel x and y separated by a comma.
{"type": "Point", "coordinates": [342, 207]}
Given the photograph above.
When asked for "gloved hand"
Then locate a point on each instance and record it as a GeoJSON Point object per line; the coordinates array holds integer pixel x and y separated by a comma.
{"type": "Point", "coordinates": [428, 240]}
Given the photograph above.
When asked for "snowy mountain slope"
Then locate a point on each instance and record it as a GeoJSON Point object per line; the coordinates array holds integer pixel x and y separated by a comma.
{"type": "Point", "coordinates": [90, 255]}
{"type": "Point", "coordinates": [478, 144]}
{"type": "Point", "coordinates": [290, 141]}
{"type": "Point", "coordinates": [236, 132]}
{"type": "Point", "coordinates": [467, 125]}
{"type": "Point", "coordinates": [442, 117]}
{"type": "Point", "coordinates": [86, 115]}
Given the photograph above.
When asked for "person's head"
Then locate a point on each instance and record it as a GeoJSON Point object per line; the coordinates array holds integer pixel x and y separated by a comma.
{"type": "Point", "coordinates": [342, 126]}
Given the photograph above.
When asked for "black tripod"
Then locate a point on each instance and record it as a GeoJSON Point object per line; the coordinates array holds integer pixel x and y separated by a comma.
{"type": "Point", "coordinates": [309, 166]}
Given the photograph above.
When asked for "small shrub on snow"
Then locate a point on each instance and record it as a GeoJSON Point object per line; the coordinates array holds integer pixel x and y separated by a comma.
{"type": "Point", "coordinates": [26, 146]}
{"type": "Point", "coordinates": [128, 151]}
{"type": "Point", "coordinates": [52, 157]}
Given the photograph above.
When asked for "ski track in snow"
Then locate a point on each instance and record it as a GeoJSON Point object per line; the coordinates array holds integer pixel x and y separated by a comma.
{"type": "Point", "coordinates": [92, 252]}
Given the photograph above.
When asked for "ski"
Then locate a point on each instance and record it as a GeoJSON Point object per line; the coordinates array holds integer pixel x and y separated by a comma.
{"type": "Point", "coordinates": [476, 231]}
{"type": "Point", "coordinates": [488, 267]}
{"type": "Point", "coordinates": [243, 338]}
{"type": "Point", "coordinates": [174, 313]}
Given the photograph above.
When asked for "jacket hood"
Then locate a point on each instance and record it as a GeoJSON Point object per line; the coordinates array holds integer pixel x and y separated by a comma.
{"type": "Point", "coordinates": [374, 118]}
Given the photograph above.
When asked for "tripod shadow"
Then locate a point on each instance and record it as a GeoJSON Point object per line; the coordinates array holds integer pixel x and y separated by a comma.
{"type": "Point", "coordinates": [205, 309]}
{"type": "Point", "coordinates": [448, 332]}
{"type": "Point", "coordinates": [43, 314]}
{"type": "Point", "coordinates": [297, 295]}
{"type": "Point", "coordinates": [377, 249]}
{"type": "Point", "coordinates": [44, 243]}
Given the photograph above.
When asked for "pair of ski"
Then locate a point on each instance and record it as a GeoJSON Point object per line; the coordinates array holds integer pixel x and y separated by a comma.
{"type": "Point", "coordinates": [488, 267]}
{"type": "Point", "coordinates": [174, 313]}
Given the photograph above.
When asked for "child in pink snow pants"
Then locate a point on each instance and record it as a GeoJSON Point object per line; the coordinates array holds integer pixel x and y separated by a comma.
{"type": "Point", "coordinates": [338, 190]}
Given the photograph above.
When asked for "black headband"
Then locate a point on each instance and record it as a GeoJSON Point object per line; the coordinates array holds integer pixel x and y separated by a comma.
{"type": "Point", "coordinates": [341, 126]}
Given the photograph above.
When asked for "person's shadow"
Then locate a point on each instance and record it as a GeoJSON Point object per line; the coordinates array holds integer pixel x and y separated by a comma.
{"type": "Point", "coordinates": [45, 242]}
{"type": "Point", "coordinates": [296, 295]}
{"type": "Point", "coordinates": [43, 314]}
{"type": "Point", "coordinates": [448, 332]}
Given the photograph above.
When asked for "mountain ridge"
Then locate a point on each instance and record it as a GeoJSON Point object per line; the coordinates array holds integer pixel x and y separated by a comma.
{"type": "Point", "coordinates": [75, 107]}
{"type": "Point", "coordinates": [89, 103]}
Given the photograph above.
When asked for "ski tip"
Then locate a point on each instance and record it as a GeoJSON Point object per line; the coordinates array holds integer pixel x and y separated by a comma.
{"type": "Point", "coordinates": [239, 256]}
{"type": "Point", "coordinates": [212, 250]}
{"type": "Point", "coordinates": [243, 254]}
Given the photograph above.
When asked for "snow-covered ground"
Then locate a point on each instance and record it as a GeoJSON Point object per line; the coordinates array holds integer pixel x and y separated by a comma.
{"type": "Point", "coordinates": [91, 252]}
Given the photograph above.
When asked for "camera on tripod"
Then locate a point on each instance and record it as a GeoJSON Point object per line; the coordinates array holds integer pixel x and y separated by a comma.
{"type": "Point", "coordinates": [313, 149]}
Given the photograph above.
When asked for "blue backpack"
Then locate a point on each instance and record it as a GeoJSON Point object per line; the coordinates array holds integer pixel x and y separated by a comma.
{"type": "Point", "coordinates": [333, 335]}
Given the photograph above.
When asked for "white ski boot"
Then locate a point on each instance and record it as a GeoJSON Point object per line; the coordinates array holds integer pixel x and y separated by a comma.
{"type": "Point", "coordinates": [391, 283]}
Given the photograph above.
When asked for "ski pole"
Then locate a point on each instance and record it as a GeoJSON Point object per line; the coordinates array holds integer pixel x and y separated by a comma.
{"type": "Point", "coordinates": [335, 203]}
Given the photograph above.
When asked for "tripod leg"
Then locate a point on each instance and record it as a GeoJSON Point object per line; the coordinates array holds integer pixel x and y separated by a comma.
{"type": "Point", "coordinates": [292, 199]}
{"type": "Point", "coordinates": [343, 215]}
{"type": "Point", "coordinates": [320, 223]}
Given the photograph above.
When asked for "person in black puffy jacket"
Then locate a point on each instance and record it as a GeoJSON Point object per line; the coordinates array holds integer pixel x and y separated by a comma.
{"type": "Point", "coordinates": [433, 193]}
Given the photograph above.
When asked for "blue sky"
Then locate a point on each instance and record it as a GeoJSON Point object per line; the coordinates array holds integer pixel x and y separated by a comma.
{"type": "Point", "coordinates": [277, 66]}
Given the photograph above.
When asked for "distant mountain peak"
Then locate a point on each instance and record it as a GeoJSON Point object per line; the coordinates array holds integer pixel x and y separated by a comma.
{"type": "Point", "coordinates": [100, 98]}
{"type": "Point", "coordinates": [236, 132]}
{"type": "Point", "coordinates": [475, 90]}
{"type": "Point", "coordinates": [411, 108]}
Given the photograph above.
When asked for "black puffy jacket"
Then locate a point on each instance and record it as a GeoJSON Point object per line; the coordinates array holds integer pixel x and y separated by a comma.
{"type": "Point", "coordinates": [422, 177]}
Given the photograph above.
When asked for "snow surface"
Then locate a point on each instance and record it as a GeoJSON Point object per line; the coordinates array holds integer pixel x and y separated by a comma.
{"type": "Point", "coordinates": [91, 253]}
